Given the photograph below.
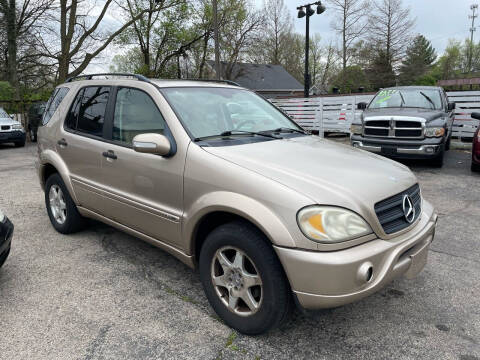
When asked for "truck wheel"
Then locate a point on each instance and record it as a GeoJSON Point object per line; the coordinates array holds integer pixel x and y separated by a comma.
{"type": "Point", "coordinates": [33, 135]}
{"type": "Point", "coordinates": [475, 167]}
{"type": "Point", "coordinates": [243, 278]}
{"type": "Point", "coordinates": [439, 159]}
{"type": "Point", "coordinates": [447, 144]}
{"type": "Point", "coordinates": [61, 209]}
{"type": "Point", "coordinates": [4, 256]}
{"type": "Point", "coordinates": [20, 144]}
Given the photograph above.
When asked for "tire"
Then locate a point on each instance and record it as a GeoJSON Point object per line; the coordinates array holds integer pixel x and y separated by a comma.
{"type": "Point", "coordinates": [63, 215]}
{"type": "Point", "coordinates": [273, 297]}
{"type": "Point", "coordinates": [475, 167]}
{"type": "Point", "coordinates": [439, 159]}
{"type": "Point", "coordinates": [447, 144]}
{"type": "Point", "coordinates": [4, 256]}
{"type": "Point", "coordinates": [33, 135]}
{"type": "Point", "coordinates": [20, 144]}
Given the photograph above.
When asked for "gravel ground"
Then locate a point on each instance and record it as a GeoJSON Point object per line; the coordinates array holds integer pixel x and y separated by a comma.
{"type": "Point", "coordinates": [102, 294]}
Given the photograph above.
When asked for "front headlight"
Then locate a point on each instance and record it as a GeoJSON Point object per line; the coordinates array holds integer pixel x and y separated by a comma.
{"type": "Point", "coordinates": [17, 127]}
{"type": "Point", "coordinates": [434, 131]}
{"type": "Point", "coordinates": [356, 129]}
{"type": "Point", "coordinates": [330, 224]}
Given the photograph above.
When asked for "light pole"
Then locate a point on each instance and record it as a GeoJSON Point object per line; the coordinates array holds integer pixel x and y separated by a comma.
{"type": "Point", "coordinates": [215, 36]}
{"type": "Point", "coordinates": [307, 13]}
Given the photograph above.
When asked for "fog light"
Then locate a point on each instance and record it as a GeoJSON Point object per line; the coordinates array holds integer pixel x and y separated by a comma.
{"type": "Point", "coordinates": [356, 144]}
{"type": "Point", "coordinates": [365, 273]}
{"type": "Point", "coordinates": [430, 150]}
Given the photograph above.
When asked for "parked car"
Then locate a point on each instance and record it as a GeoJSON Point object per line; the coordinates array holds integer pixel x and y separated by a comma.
{"type": "Point", "coordinates": [11, 131]}
{"type": "Point", "coordinates": [35, 114]}
{"type": "Point", "coordinates": [6, 232]}
{"type": "Point", "coordinates": [406, 122]}
{"type": "Point", "coordinates": [476, 146]}
{"type": "Point", "coordinates": [268, 213]}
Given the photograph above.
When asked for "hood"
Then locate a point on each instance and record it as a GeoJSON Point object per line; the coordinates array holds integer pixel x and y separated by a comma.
{"type": "Point", "coordinates": [8, 121]}
{"type": "Point", "coordinates": [427, 114]}
{"type": "Point", "coordinates": [327, 172]}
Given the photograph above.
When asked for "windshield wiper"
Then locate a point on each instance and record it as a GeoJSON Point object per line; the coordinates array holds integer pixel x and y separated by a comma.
{"type": "Point", "coordinates": [236, 132]}
{"type": "Point", "coordinates": [403, 99]}
{"type": "Point", "coordinates": [284, 129]}
{"type": "Point", "coordinates": [429, 100]}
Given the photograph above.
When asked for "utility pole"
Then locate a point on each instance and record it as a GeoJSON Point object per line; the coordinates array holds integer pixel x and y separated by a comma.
{"type": "Point", "coordinates": [474, 15]}
{"type": "Point", "coordinates": [215, 36]}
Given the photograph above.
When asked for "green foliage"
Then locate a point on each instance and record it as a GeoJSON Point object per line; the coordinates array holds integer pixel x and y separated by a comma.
{"type": "Point", "coordinates": [381, 73]}
{"type": "Point", "coordinates": [6, 91]}
{"type": "Point", "coordinates": [418, 60]}
{"type": "Point", "coordinates": [351, 79]}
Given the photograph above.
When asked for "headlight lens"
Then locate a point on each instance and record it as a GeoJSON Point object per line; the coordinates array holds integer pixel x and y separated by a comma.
{"type": "Point", "coordinates": [356, 129]}
{"type": "Point", "coordinates": [331, 224]}
{"type": "Point", "coordinates": [17, 126]}
{"type": "Point", "coordinates": [434, 132]}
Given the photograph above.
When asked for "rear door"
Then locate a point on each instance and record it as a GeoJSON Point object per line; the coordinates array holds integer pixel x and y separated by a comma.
{"type": "Point", "coordinates": [143, 191]}
{"type": "Point", "coordinates": [81, 142]}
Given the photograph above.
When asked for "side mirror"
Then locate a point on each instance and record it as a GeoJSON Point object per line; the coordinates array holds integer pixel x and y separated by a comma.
{"type": "Point", "coordinates": [152, 144]}
{"type": "Point", "coordinates": [361, 105]}
{"type": "Point", "coordinates": [475, 115]}
{"type": "Point", "coordinates": [12, 116]}
{"type": "Point", "coordinates": [451, 106]}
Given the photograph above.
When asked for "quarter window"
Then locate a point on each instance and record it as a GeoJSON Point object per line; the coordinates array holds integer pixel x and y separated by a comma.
{"type": "Point", "coordinates": [135, 113]}
{"type": "Point", "coordinates": [53, 103]}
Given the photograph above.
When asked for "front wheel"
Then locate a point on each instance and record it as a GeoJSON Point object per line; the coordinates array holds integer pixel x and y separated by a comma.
{"type": "Point", "coordinates": [439, 159]}
{"type": "Point", "coordinates": [243, 278]}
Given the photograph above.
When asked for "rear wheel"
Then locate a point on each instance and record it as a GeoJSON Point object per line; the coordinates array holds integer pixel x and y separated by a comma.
{"type": "Point", "coordinates": [61, 209]}
{"type": "Point", "coordinates": [243, 278]}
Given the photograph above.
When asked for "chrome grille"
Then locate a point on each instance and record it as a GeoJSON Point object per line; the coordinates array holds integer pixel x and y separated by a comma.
{"type": "Point", "coordinates": [405, 129]}
{"type": "Point", "coordinates": [390, 211]}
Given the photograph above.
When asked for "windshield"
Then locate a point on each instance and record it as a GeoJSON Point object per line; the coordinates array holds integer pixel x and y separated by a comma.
{"type": "Point", "coordinates": [209, 111]}
{"type": "Point", "coordinates": [416, 98]}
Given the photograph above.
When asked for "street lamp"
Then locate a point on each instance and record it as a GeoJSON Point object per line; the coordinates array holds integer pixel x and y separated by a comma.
{"type": "Point", "coordinates": [305, 11]}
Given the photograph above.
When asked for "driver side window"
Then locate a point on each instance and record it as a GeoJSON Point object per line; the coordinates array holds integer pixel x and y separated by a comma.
{"type": "Point", "coordinates": [135, 113]}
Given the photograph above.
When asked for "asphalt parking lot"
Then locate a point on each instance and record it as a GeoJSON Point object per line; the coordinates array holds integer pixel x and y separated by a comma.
{"type": "Point", "coordinates": [102, 294]}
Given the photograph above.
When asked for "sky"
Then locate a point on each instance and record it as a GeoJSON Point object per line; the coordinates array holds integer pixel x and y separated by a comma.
{"type": "Point", "coordinates": [437, 20]}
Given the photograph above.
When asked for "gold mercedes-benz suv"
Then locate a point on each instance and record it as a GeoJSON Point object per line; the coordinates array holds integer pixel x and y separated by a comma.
{"type": "Point", "coordinates": [226, 182]}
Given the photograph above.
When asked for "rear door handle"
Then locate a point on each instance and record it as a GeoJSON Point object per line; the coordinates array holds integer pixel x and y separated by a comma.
{"type": "Point", "coordinates": [110, 155]}
{"type": "Point", "coordinates": [62, 143]}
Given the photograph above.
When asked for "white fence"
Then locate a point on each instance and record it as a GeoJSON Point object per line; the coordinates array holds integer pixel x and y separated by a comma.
{"type": "Point", "coordinates": [336, 113]}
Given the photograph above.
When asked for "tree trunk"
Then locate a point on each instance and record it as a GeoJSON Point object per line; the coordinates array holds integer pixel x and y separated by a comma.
{"type": "Point", "coordinates": [12, 47]}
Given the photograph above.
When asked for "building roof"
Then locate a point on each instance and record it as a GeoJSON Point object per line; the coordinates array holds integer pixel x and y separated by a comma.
{"type": "Point", "coordinates": [262, 77]}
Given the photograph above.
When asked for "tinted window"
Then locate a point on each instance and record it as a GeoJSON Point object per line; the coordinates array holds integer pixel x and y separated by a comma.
{"type": "Point", "coordinates": [53, 103]}
{"type": "Point", "coordinates": [91, 110]}
{"type": "Point", "coordinates": [71, 120]}
{"type": "Point", "coordinates": [135, 113]}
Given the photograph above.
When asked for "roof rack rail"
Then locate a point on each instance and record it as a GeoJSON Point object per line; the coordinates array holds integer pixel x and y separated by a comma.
{"type": "Point", "coordinates": [90, 76]}
{"type": "Point", "coordinates": [230, 82]}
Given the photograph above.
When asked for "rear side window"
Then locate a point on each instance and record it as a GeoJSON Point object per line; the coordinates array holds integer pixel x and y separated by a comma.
{"type": "Point", "coordinates": [53, 103]}
{"type": "Point", "coordinates": [87, 114]}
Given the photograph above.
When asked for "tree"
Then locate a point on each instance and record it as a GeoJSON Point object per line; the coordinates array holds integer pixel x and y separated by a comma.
{"type": "Point", "coordinates": [390, 26]}
{"type": "Point", "coordinates": [381, 72]}
{"type": "Point", "coordinates": [351, 79]}
{"type": "Point", "coordinates": [418, 61]}
{"type": "Point", "coordinates": [323, 63]}
{"type": "Point", "coordinates": [80, 37]}
{"type": "Point", "coordinates": [351, 24]}
{"type": "Point", "coordinates": [449, 64]}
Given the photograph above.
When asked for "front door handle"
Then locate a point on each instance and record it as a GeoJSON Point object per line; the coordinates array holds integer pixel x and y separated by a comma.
{"type": "Point", "coordinates": [110, 155]}
{"type": "Point", "coordinates": [62, 142]}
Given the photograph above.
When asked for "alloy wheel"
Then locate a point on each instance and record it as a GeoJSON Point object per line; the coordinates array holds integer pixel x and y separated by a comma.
{"type": "Point", "coordinates": [58, 206]}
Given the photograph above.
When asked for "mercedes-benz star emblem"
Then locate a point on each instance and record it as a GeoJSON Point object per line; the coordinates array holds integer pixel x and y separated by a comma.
{"type": "Point", "coordinates": [408, 209]}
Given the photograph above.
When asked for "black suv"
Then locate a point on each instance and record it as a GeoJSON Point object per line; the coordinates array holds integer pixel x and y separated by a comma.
{"type": "Point", "coordinates": [35, 114]}
{"type": "Point", "coordinates": [406, 122]}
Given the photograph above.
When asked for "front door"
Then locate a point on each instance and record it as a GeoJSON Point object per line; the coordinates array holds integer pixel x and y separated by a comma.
{"type": "Point", "coordinates": [144, 191]}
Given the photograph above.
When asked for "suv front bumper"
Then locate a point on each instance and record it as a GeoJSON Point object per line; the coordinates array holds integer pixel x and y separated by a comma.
{"type": "Point", "coordinates": [425, 148]}
{"type": "Point", "coordinates": [12, 136]}
{"type": "Point", "coordinates": [331, 279]}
